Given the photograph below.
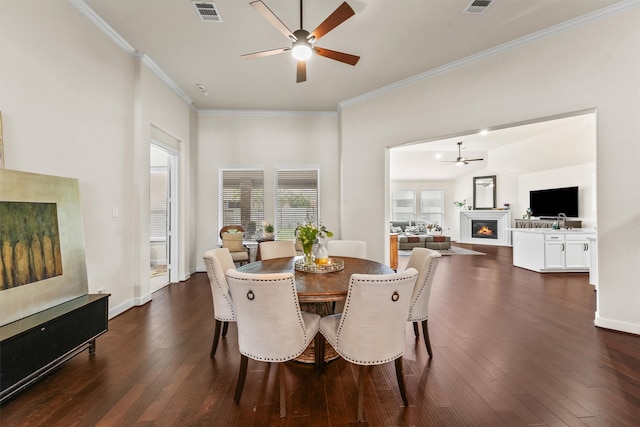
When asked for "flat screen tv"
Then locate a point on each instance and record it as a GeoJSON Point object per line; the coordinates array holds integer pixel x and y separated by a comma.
{"type": "Point", "coordinates": [552, 201]}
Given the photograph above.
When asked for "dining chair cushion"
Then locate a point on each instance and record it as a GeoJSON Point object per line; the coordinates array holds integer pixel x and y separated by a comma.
{"type": "Point", "coordinates": [370, 331]}
{"type": "Point", "coordinates": [426, 262]}
{"type": "Point", "coordinates": [349, 248]}
{"type": "Point", "coordinates": [277, 249]}
{"type": "Point", "coordinates": [233, 242]}
{"type": "Point", "coordinates": [271, 327]}
{"type": "Point", "coordinates": [217, 262]}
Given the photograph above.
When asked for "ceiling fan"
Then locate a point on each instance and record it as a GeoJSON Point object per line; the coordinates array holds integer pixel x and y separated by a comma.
{"type": "Point", "coordinates": [302, 46]}
{"type": "Point", "coordinates": [461, 160]}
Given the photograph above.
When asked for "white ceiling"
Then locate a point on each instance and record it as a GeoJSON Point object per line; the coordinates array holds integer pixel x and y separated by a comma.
{"type": "Point", "coordinates": [396, 40]}
{"type": "Point", "coordinates": [517, 150]}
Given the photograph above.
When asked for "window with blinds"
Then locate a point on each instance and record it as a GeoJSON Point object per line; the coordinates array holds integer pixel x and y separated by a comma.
{"type": "Point", "coordinates": [158, 203]}
{"type": "Point", "coordinates": [296, 200]}
{"type": "Point", "coordinates": [242, 199]}
{"type": "Point", "coordinates": [403, 206]}
{"type": "Point", "coordinates": [432, 206]}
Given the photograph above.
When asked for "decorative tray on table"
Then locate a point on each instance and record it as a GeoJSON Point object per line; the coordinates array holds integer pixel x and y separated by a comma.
{"type": "Point", "coordinates": [334, 264]}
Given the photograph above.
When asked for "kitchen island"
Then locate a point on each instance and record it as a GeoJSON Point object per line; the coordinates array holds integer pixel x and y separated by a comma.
{"type": "Point", "coordinates": [547, 250]}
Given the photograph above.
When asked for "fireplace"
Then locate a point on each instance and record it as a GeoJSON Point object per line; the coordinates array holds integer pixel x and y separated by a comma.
{"type": "Point", "coordinates": [484, 228]}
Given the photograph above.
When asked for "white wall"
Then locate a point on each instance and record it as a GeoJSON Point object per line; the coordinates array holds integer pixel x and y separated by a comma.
{"type": "Point", "coordinates": [74, 104]}
{"type": "Point", "coordinates": [264, 140]}
{"type": "Point", "coordinates": [594, 66]}
{"type": "Point", "coordinates": [582, 176]}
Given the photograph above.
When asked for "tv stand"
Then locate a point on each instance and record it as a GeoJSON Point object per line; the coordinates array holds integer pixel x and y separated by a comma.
{"type": "Point", "coordinates": [35, 345]}
{"type": "Point", "coordinates": [546, 223]}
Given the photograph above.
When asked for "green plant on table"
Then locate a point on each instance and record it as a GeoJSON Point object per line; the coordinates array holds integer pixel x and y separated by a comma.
{"type": "Point", "coordinates": [308, 234]}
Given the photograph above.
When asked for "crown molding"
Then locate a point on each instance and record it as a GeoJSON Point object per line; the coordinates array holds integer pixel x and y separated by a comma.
{"type": "Point", "coordinates": [266, 113]}
{"type": "Point", "coordinates": [533, 37]}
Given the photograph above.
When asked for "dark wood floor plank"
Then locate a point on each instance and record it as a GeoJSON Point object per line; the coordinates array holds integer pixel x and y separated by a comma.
{"type": "Point", "coordinates": [511, 348]}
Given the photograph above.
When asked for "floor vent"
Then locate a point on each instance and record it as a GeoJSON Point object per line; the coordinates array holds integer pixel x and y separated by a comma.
{"type": "Point", "coordinates": [478, 7]}
{"type": "Point", "coordinates": [207, 11]}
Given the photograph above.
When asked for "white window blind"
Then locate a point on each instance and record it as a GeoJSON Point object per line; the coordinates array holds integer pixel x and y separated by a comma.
{"type": "Point", "coordinates": [404, 205]}
{"type": "Point", "coordinates": [242, 199]}
{"type": "Point", "coordinates": [158, 203]}
{"type": "Point", "coordinates": [432, 206]}
{"type": "Point", "coordinates": [297, 200]}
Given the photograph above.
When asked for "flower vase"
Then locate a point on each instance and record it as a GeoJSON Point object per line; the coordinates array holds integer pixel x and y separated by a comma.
{"type": "Point", "coordinates": [322, 254]}
{"type": "Point", "coordinates": [307, 250]}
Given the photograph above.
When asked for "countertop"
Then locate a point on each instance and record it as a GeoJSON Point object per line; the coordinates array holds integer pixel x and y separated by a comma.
{"type": "Point", "coordinates": [558, 231]}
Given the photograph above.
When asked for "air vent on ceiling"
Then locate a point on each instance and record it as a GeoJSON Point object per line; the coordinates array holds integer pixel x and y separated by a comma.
{"type": "Point", "coordinates": [207, 11]}
{"type": "Point", "coordinates": [478, 6]}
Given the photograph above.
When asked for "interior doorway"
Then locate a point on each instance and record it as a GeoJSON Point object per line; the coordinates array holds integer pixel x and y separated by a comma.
{"type": "Point", "coordinates": [162, 191]}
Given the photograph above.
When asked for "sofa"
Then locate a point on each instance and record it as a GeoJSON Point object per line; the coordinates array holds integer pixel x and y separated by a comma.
{"type": "Point", "coordinates": [414, 234]}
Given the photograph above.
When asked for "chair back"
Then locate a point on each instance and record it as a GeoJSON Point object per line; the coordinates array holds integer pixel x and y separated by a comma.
{"type": "Point", "coordinates": [218, 261]}
{"type": "Point", "coordinates": [227, 228]}
{"type": "Point", "coordinates": [372, 326]}
{"type": "Point", "coordinates": [234, 241]}
{"type": "Point", "coordinates": [271, 327]}
{"type": "Point", "coordinates": [277, 249]}
{"type": "Point", "coordinates": [349, 248]}
{"type": "Point", "coordinates": [426, 262]}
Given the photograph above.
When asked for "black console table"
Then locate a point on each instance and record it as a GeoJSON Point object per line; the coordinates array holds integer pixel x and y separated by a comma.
{"type": "Point", "coordinates": [33, 346]}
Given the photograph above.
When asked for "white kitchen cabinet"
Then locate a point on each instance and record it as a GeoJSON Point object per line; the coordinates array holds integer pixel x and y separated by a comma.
{"type": "Point", "coordinates": [554, 251]}
{"type": "Point", "coordinates": [577, 253]}
{"type": "Point", "coordinates": [546, 250]}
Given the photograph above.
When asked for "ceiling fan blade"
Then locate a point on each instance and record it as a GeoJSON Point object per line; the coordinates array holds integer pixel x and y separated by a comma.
{"type": "Point", "coordinates": [472, 160]}
{"type": "Point", "coordinates": [341, 14]}
{"type": "Point", "coordinates": [338, 56]}
{"type": "Point", "coordinates": [272, 18]}
{"type": "Point", "coordinates": [264, 53]}
{"type": "Point", "coordinates": [301, 72]}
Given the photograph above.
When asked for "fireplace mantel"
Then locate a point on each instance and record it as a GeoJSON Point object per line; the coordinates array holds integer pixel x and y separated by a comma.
{"type": "Point", "coordinates": [503, 217]}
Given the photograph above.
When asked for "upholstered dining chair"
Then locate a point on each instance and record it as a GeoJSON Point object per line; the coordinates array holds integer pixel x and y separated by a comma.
{"type": "Point", "coordinates": [350, 248]}
{"type": "Point", "coordinates": [218, 261]}
{"type": "Point", "coordinates": [277, 249]}
{"type": "Point", "coordinates": [371, 330]}
{"type": "Point", "coordinates": [232, 238]}
{"type": "Point", "coordinates": [271, 327]}
{"type": "Point", "coordinates": [426, 262]}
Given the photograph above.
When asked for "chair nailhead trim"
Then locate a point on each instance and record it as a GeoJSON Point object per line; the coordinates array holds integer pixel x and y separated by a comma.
{"type": "Point", "coordinates": [307, 339]}
{"type": "Point", "coordinates": [226, 297]}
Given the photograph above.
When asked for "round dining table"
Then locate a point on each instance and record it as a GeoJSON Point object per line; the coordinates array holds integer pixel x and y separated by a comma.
{"type": "Point", "coordinates": [318, 290]}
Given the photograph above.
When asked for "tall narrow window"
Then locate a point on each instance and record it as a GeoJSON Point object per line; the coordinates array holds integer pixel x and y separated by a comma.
{"type": "Point", "coordinates": [404, 205]}
{"type": "Point", "coordinates": [242, 199]}
{"type": "Point", "coordinates": [296, 200]}
{"type": "Point", "coordinates": [432, 206]}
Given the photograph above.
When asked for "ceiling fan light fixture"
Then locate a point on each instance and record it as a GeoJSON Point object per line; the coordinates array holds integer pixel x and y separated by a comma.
{"type": "Point", "coordinates": [301, 50]}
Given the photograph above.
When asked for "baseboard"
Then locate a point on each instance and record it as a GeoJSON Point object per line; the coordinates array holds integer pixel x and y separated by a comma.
{"type": "Point", "coordinates": [119, 309]}
{"type": "Point", "coordinates": [616, 325]}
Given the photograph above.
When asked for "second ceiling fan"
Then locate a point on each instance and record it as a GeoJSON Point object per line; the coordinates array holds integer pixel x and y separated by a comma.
{"type": "Point", "coordinates": [302, 46]}
{"type": "Point", "coordinates": [462, 160]}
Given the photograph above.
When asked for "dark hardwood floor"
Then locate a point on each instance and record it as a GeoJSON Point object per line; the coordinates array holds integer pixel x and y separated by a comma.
{"type": "Point", "coordinates": [511, 348]}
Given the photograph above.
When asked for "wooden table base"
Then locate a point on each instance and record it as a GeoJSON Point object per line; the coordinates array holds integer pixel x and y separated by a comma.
{"type": "Point", "coordinates": [308, 356]}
